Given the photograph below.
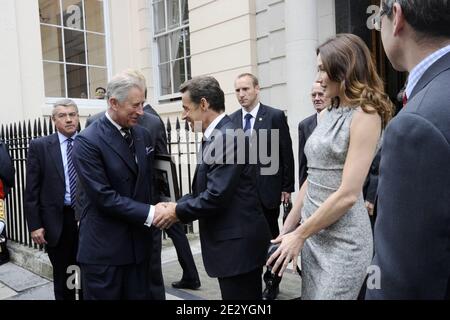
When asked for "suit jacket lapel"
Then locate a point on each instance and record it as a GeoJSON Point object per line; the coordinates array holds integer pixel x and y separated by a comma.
{"type": "Point", "coordinates": [54, 149]}
{"type": "Point", "coordinates": [312, 125]}
{"type": "Point", "coordinates": [141, 160]}
{"type": "Point", "coordinates": [116, 142]}
{"type": "Point", "coordinates": [222, 122]}
{"type": "Point", "coordinates": [260, 118]}
{"type": "Point", "coordinates": [237, 120]}
{"type": "Point", "coordinates": [436, 68]}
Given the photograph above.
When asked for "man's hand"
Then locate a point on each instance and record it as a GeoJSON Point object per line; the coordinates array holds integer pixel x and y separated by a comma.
{"type": "Point", "coordinates": [165, 215]}
{"type": "Point", "coordinates": [285, 197]}
{"type": "Point", "coordinates": [38, 236]}
{"type": "Point", "coordinates": [370, 207]}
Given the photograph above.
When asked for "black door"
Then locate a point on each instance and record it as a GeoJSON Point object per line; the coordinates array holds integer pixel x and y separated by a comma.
{"type": "Point", "coordinates": [355, 16]}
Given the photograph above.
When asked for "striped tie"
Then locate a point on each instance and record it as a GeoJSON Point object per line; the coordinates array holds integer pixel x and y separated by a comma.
{"type": "Point", "coordinates": [72, 174]}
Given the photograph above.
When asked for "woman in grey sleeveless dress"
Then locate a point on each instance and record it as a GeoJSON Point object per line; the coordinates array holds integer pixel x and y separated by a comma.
{"type": "Point", "coordinates": [335, 237]}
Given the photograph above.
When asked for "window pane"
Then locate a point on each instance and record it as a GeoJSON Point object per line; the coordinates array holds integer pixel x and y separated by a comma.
{"type": "Point", "coordinates": [76, 81]}
{"type": "Point", "coordinates": [163, 48]}
{"type": "Point", "coordinates": [49, 12]}
{"type": "Point", "coordinates": [51, 43]}
{"type": "Point", "coordinates": [173, 13]}
{"type": "Point", "coordinates": [185, 11]}
{"type": "Point", "coordinates": [189, 73]}
{"type": "Point", "coordinates": [159, 16]}
{"type": "Point", "coordinates": [187, 38]}
{"type": "Point", "coordinates": [166, 82]}
{"type": "Point", "coordinates": [94, 15]}
{"type": "Point", "coordinates": [97, 78]}
{"type": "Point", "coordinates": [96, 50]}
{"type": "Point", "coordinates": [54, 80]}
{"type": "Point", "coordinates": [179, 73]}
{"type": "Point", "coordinates": [75, 48]}
{"type": "Point", "coordinates": [73, 14]}
{"type": "Point", "coordinates": [176, 39]}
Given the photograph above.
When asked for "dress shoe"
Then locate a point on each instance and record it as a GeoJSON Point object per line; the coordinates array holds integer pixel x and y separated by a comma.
{"type": "Point", "coordinates": [183, 284]}
{"type": "Point", "coordinates": [270, 292]}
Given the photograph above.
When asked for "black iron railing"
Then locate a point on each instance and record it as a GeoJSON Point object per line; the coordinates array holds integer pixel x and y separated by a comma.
{"type": "Point", "coordinates": [182, 146]}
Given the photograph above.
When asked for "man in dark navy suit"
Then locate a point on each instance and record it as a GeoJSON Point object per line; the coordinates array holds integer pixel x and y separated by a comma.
{"type": "Point", "coordinates": [234, 234]}
{"type": "Point", "coordinates": [275, 188]}
{"type": "Point", "coordinates": [412, 230]}
{"type": "Point", "coordinates": [190, 279]}
{"type": "Point", "coordinates": [50, 195]}
{"type": "Point", "coordinates": [114, 158]}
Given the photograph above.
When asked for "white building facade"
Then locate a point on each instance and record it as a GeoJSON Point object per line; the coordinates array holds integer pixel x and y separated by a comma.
{"type": "Point", "coordinates": [67, 48]}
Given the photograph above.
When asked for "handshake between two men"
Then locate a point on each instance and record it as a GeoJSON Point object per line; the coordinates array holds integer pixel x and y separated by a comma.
{"type": "Point", "coordinates": [165, 215]}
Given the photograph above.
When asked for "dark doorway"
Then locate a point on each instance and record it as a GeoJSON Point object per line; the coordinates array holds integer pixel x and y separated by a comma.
{"type": "Point", "coordinates": [355, 16]}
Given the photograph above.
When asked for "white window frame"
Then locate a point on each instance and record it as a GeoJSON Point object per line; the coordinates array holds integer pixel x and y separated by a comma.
{"type": "Point", "coordinates": [92, 102]}
{"type": "Point", "coordinates": [155, 52]}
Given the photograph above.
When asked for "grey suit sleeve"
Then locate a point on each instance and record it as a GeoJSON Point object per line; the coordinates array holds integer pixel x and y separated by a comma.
{"type": "Point", "coordinates": [413, 213]}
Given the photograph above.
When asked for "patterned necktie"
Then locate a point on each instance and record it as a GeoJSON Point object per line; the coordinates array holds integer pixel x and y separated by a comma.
{"type": "Point", "coordinates": [72, 174]}
{"type": "Point", "coordinates": [129, 139]}
{"type": "Point", "coordinates": [404, 99]}
{"type": "Point", "coordinates": [248, 124]}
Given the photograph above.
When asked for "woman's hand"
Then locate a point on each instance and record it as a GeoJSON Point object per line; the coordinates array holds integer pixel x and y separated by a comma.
{"type": "Point", "coordinates": [290, 246]}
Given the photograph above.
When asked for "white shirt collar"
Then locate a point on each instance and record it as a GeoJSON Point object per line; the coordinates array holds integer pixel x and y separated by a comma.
{"type": "Point", "coordinates": [254, 112]}
{"type": "Point", "coordinates": [422, 67]}
{"type": "Point", "coordinates": [115, 124]}
{"type": "Point", "coordinates": [213, 125]}
{"type": "Point", "coordinates": [62, 138]}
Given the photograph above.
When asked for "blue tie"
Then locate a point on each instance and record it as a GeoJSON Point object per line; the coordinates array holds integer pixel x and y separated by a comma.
{"type": "Point", "coordinates": [248, 124]}
{"type": "Point", "coordinates": [72, 174]}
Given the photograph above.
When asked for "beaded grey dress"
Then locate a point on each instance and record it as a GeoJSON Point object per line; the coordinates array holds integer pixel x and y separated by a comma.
{"type": "Point", "coordinates": [335, 260]}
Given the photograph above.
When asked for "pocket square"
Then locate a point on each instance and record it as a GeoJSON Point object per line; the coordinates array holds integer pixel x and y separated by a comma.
{"type": "Point", "coordinates": [148, 150]}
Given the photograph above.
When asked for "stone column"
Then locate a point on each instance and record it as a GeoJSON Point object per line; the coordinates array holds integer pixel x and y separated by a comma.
{"type": "Point", "coordinates": [301, 42]}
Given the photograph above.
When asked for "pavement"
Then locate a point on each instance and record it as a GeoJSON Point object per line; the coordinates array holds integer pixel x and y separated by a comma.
{"type": "Point", "coordinates": [17, 283]}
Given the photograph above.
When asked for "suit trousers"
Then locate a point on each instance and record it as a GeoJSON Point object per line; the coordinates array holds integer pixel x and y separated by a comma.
{"type": "Point", "coordinates": [155, 268]}
{"type": "Point", "coordinates": [272, 219]}
{"type": "Point", "coordinates": [106, 282]}
{"type": "Point", "coordinates": [247, 286]}
{"type": "Point", "coordinates": [64, 255]}
{"type": "Point", "coordinates": [184, 253]}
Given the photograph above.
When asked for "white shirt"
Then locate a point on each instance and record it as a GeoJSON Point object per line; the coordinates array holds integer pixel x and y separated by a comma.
{"type": "Point", "coordinates": [254, 113]}
{"type": "Point", "coordinates": [151, 212]}
{"type": "Point", "coordinates": [208, 132]}
{"type": "Point", "coordinates": [63, 145]}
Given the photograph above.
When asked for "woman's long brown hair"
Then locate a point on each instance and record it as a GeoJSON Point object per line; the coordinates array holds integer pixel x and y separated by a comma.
{"type": "Point", "coordinates": [347, 60]}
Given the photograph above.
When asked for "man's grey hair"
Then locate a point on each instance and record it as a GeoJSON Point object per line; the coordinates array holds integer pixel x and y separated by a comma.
{"type": "Point", "coordinates": [64, 103]}
{"type": "Point", "coordinates": [122, 83]}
